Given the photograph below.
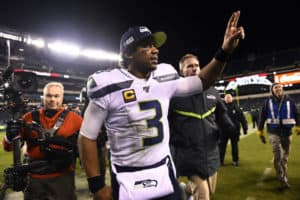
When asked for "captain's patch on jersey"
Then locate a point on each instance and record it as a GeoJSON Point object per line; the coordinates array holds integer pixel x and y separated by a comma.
{"type": "Point", "coordinates": [129, 95]}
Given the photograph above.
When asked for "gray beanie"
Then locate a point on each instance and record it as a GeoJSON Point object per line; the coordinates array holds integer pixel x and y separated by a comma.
{"type": "Point", "coordinates": [271, 88]}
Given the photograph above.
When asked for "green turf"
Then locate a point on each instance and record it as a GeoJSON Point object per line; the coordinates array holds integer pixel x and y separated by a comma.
{"type": "Point", "coordinates": [248, 182]}
{"type": "Point", "coordinates": [6, 158]}
{"type": "Point", "coordinates": [245, 182]}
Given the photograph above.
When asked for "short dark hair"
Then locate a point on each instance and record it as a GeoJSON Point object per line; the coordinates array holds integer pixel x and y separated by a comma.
{"type": "Point", "coordinates": [123, 62]}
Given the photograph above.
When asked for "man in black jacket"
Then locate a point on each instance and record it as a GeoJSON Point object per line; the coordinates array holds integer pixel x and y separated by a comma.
{"type": "Point", "coordinates": [194, 126]}
{"type": "Point", "coordinates": [254, 115]}
{"type": "Point", "coordinates": [238, 118]}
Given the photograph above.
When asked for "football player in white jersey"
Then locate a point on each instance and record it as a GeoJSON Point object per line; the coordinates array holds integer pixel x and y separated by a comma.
{"type": "Point", "coordinates": [133, 103]}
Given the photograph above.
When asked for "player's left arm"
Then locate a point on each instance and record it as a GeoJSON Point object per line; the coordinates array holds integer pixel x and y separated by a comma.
{"type": "Point", "coordinates": [87, 140]}
{"type": "Point", "coordinates": [187, 86]}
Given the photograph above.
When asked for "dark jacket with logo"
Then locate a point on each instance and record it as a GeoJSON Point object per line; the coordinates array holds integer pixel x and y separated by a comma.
{"type": "Point", "coordinates": [237, 117]}
{"type": "Point", "coordinates": [194, 126]}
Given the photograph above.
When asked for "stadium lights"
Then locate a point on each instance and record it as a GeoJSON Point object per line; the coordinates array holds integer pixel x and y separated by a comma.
{"type": "Point", "coordinates": [99, 54]}
{"type": "Point", "coordinates": [65, 48]}
{"type": "Point", "coordinates": [10, 36]}
{"type": "Point", "coordinates": [61, 47]}
{"type": "Point", "coordinates": [39, 43]}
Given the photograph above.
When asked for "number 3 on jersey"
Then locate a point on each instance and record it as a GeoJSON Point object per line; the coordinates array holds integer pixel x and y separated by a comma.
{"type": "Point", "coordinates": [154, 122]}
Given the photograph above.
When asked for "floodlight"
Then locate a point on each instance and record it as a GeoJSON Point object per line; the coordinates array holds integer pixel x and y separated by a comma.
{"type": "Point", "coordinates": [64, 48]}
{"type": "Point", "coordinates": [39, 42]}
{"type": "Point", "coordinates": [10, 36]}
{"type": "Point", "coordinates": [99, 54]}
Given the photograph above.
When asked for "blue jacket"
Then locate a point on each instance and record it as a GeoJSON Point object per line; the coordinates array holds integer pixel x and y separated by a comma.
{"type": "Point", "coordinates": [280, 116]}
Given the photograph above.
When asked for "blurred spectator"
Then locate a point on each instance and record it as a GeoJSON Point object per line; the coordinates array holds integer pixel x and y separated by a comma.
{"type": "Point", "coordinates": [254, 115]}
{"type": "Point", "coordinates": [238, 118]}
{"type": "Point", "coordinates": [65, 106]}
{"type": "Point", "coordinates": [76, 109]}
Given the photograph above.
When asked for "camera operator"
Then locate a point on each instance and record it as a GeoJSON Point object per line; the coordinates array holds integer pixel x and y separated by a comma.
{"type": "Point", "coordinates": [55, 180]}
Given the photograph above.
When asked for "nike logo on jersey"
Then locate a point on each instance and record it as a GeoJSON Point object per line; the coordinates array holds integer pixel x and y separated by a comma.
{"type": "Point", "coordinates": [146, 88]}
{"type": "Point", "coordinates": [209, 96]}
{"type": "Point", "coordinates": [129, 95]}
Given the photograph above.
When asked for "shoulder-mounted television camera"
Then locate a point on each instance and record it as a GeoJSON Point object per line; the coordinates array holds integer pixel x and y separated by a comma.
{"type": "Point", "coordinates": [13, 83]}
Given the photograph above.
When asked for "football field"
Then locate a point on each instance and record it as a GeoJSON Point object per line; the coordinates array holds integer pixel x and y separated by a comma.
{"type": "Point", "coordinates": [255, 178]}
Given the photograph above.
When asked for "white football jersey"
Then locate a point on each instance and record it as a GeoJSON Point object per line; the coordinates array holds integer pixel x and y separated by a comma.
{"type": "Point", "coordinates": [137, 111]}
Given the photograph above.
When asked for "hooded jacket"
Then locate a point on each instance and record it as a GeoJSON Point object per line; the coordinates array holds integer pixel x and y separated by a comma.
{"type": "Point", "coordinates": [280, 115]}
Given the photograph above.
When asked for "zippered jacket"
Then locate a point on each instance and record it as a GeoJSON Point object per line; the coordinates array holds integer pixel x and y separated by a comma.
{"type": "Point", "coordinates": [194, 126]}
{"type": "Point", "coordinates": [280, 115]}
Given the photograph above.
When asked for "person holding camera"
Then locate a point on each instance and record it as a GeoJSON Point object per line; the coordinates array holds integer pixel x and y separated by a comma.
{"type": "Point", "coordinates": [52, 142]}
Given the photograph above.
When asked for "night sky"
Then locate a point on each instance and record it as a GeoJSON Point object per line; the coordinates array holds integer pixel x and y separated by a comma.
{"type": "Point", "coordinates": [190, 27]}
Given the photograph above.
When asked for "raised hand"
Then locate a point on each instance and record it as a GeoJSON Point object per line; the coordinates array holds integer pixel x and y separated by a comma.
{"type": "Point", "coordinates": [233, 33]}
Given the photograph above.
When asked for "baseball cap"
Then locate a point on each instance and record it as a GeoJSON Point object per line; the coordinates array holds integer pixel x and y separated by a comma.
{"type": "Point", "coordinates": [139, 33]}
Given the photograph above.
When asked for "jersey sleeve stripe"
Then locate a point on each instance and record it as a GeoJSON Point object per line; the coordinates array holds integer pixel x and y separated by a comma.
{"type": "Point", "coordinates": [168, 77]}
{"type": "Point", "coordinates": [109, 89]}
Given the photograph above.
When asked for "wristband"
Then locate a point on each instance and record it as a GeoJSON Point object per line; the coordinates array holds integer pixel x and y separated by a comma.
{"type": "Point", "coordinates": [96, 183]}
{"type": "Point", "coordinates": [222, 55]}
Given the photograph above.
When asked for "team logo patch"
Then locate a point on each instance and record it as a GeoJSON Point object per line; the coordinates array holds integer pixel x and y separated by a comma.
{"type": "Point", "coordinates": [209, 96]}
{"type": "Point", "coordinates": [145, 183]}
{"type": "Point", "coordinates": [129, 95]}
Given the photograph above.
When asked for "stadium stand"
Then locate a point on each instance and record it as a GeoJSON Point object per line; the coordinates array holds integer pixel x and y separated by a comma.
{"type": "Point", "coordinates": [73, 72]}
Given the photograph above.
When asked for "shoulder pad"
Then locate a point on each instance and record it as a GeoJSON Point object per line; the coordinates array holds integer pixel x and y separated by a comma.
{"type": "Point", "coordinates": [105, 82]}
{"type": "Point", "coordinates": [165, 72]}
{"type": "Point", "coordinates": [101, 78]}
{"type": "Point", "coordinates": [164, 68]}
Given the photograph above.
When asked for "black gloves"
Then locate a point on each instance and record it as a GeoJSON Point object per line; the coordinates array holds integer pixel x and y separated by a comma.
{"type": "Point", "coordinates": [245, 132]}
{"type": "Point", "coordinates": [12, 129]}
